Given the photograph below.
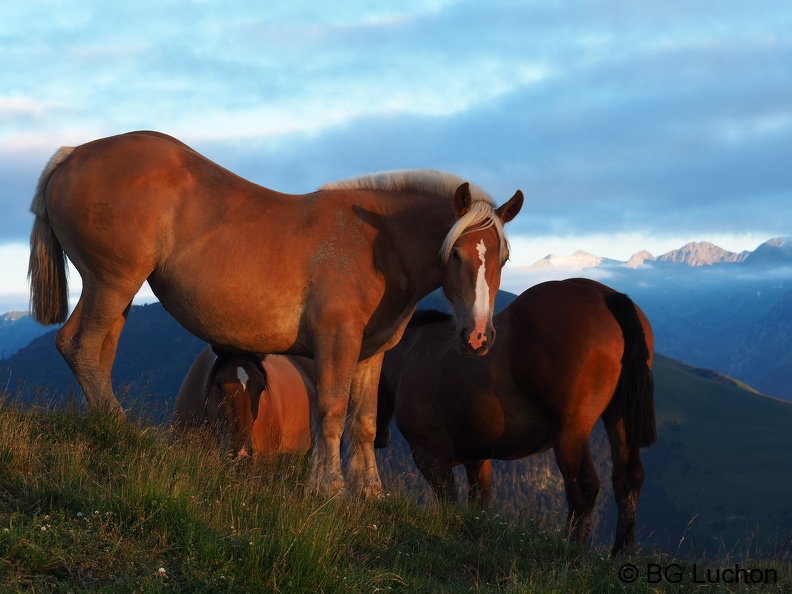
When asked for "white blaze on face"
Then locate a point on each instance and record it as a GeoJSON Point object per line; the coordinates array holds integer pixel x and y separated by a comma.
{"type": "Point", "coordinates": [481, 304]}
{"type": "Point", "coordinates": [243, 377]}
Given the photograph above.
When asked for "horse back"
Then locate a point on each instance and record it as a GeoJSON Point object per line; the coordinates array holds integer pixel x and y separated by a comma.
{"type": "Point", "coordinates": [562, 338]}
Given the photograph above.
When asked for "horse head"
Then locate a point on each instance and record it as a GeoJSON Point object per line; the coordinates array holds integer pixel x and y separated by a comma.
{"type": "Point", "coordinates": [474, 253]}
{"type": "Point", "coordinates": [238, 382]}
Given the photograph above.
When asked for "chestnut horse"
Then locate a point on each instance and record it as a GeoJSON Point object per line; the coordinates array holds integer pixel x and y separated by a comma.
{"type": "Point", "coordinates": [258, 404]}
{"type": "Point", "coordinates": [568, 353]}
{"type": "Point", "coordinates": [333, 275]}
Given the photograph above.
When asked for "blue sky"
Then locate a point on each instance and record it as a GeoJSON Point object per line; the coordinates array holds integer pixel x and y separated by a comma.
{"type": "Point", "coordinates": [628, 125]}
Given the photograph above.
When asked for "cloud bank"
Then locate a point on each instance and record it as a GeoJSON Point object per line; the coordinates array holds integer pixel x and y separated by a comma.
{"type": "Point", "coordinates": [615, 118]}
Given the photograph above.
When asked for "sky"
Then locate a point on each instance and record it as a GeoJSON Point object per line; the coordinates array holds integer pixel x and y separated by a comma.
{"type": "Point", "coordinates": [628, 124]}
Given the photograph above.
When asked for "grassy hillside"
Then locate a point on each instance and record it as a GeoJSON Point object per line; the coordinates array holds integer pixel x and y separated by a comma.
{"type": "Point", "coordinates": [722, 463]}
{"type": "Point", "coordinates": [723, 457]}
{"type": "Point", "coordinates": [89, 505]}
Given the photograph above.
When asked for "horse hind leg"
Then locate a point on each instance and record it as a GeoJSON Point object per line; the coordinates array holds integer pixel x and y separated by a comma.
{"type": "Point", "coordinates": [110, 343]}
{"type": "Point", "coordinates": [580, 483]}
{"type": "Point", "coordinates": [88, 342]}
{"type": "Point", "coordinates": [628, 476]}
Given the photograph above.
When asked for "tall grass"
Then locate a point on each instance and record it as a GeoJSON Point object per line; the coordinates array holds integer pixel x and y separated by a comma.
{"type": "Point", "coordinates": [88, 504]}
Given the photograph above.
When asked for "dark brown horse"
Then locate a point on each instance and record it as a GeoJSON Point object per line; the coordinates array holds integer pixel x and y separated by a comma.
{"type": "Point", "coordinates": [334, 275]}
{"type": "Point", "coordinates": [568, 353]}
{"type": "Point", "coordinates": [258, 404]}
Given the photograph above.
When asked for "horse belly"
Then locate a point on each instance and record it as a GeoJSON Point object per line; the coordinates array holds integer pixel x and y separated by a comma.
{"type": "Point", "coordinates": [256, 326]}
{"type": "Point", "coordinates": [505, 428]}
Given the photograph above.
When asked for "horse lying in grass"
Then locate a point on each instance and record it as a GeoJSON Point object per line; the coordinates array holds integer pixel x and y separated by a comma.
{"type": "Point", "coordinates": [256, 405]}
{"type": "Point", "coordinates": [568, 353]}
{"type": "Point", "coordinates": [333, 275]}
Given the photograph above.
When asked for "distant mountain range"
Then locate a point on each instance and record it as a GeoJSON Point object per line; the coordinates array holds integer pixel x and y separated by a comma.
{"type": "Point", "coordinates": [17, 329]}
{"type": "Point", "coordinates": [775, 252]}
{"type": "Point", "coordinates": [710, 307]}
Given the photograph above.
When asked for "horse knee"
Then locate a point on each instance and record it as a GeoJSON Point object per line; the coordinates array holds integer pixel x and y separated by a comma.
{"type": "Point", "coordinates": [365, 429]}
{"type": "Point", "coordinates": [582, 493]}
{"type": "Point", "coordinates": [328, 420]}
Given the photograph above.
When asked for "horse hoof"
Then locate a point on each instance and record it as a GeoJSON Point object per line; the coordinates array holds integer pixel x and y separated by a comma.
{"type": "Point", "coordinates": [327, 489]}
{"type": "Point", "coordinates": [372, 492]}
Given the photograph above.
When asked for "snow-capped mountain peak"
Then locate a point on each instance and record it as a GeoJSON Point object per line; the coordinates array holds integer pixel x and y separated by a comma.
{"type": "Point", "coordinates": [701, 254]}
{"type": "Point", "coordinates": [580, 260]}
{"type": "Point", "coordinates": [775, 252]}
{"type": "Point", "coordinates": [639, 258]}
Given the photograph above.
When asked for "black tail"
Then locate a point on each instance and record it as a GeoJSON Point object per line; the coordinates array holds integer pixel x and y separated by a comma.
{"type": "Point", "coordinates": [635, 391]}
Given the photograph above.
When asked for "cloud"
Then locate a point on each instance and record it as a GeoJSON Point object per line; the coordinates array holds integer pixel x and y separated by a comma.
{"type": "Point", "coordinates": [614, 118]}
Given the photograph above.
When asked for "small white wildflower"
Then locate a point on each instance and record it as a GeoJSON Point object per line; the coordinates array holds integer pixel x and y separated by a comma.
{"type": "Point", "coordinates": [46, 517]}
{"type": "Point", "coordinates": [6, 530]}
{"type": "Point", "coordinates": [80, 514]}
{"type": "Point", "coordinates": [43, 528]}
{"type": "Point", "coordinates": [161, 572]}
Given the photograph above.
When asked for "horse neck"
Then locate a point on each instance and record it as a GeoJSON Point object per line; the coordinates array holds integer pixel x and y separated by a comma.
{"type": "Point", "coordinates": [417, 233]}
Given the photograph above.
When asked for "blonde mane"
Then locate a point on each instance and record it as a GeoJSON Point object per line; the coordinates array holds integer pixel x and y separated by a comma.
{"type": "Point", "coordinates": [438, 183]}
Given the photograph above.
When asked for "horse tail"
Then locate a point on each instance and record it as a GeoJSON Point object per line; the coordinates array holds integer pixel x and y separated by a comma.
{"type": "Point", "coordinates": [49, 302]}
{"type": "Point", "coordinates": [635, 390]}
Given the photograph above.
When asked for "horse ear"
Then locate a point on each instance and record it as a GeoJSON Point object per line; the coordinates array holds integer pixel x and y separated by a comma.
{"type": "Point", "coordinates": [462, 199]}
{"type": "Point", "coordinates": [509, 210]}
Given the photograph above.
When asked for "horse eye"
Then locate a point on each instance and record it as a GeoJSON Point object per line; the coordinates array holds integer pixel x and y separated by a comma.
{"type": "Point", "coordinates": [455, 254]}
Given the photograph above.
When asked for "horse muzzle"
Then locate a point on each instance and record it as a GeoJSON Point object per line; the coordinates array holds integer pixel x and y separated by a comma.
{"type": "Point", "coordinates": [475, 342]}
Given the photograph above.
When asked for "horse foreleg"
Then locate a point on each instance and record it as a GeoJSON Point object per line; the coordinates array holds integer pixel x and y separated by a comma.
{"type": "Point", "coordinates": [479, 476]}
{"type": "Point", "coordinates": [362, 476]}
{"type": "Point", "coordinates": [438, 472]}
{"type": "Point", "coordinates": [335, 366]}
{"type": "Point", "coordinates": [580, 482]}
{"type": "Point", "coordinates": [627, 480]}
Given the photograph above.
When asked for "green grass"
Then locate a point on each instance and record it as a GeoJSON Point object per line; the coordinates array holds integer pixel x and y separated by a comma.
{"type": "Point", "coordinates": [91, 505]}
{"type": "Point", "coordinates": [722, 456]}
